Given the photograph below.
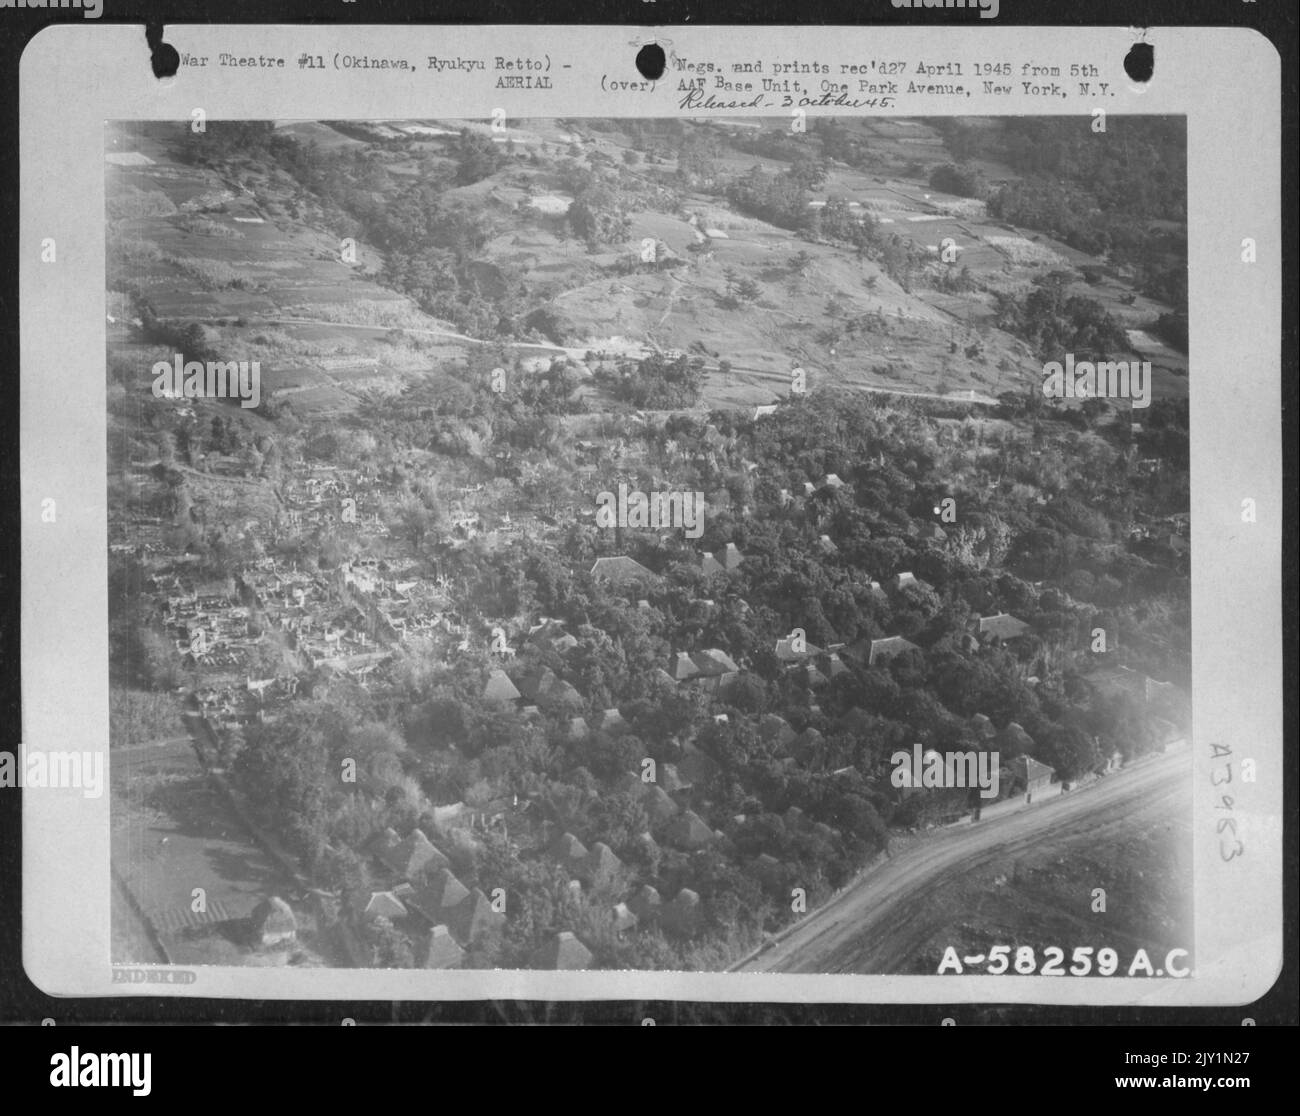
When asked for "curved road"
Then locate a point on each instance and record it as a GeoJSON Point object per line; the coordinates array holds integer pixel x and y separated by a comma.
{"type": "Point", "coordinates": [867, 928]}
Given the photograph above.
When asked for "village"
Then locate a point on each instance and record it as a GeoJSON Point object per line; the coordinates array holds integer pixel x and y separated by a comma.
{"type": "Point", "coordinates": [560, 604]}
{"type": "Point", "coordinates": [250, 644]}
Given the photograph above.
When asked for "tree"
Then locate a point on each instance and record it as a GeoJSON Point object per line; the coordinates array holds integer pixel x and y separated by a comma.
{"type": "Point", "coordinates": [389, 947]}
{"type": "Point", "coordinates": [159, 661]}
{"type": "Point", "coordinates": [1069, 750]}
{"type": "Point", "coordinates": [414, 522]}
{"type": "Point", "coordinates": [964, 181]}
{"type": "Point", "coordinates": [477, 157]}
{"type": "Point", "coordinates": [225, 139]}
{"type": "Point", "coordinates": [809, 174]}
{"type": "Point", "coordinates": [283, 771]}
{"type": "Point", "coordinates": [618, 820]}
{"type": "Point", "coordinates": [1094, 411]}
{"type": "Point", "coordinates": [597, 216]}
{"type": "Point", "coordinates": [658, 383]}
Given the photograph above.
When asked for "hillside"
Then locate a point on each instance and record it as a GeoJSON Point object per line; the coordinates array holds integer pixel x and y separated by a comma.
{"type": "Point", "coordinates": [731, 242]}
{"type": "Point", "coordinates": [496, 722]}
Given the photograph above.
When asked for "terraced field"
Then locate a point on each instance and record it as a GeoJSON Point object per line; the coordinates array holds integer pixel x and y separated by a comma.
{"type": "Point", "coordinates": [248, 254]}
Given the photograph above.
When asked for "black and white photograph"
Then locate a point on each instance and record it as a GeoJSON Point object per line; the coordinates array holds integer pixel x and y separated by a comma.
{"type": "Point", "coordinates": [707, 543]}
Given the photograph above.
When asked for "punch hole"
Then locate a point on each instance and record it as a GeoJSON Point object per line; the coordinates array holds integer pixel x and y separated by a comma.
{"type": "Point", "coordinates": [650, 61]}
{"type": "Point", "coordinates": [162, 56]}
{"type": "Point", "coordinates": [1140, 62]}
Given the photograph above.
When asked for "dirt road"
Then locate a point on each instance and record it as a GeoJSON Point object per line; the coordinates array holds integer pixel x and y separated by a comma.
{"type": "Point", "coordinates": [779, 380]}
{"type": "Point", "coordinates": [873, 927]}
